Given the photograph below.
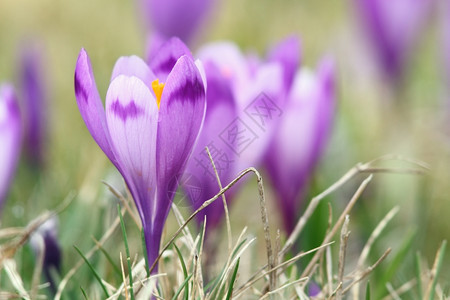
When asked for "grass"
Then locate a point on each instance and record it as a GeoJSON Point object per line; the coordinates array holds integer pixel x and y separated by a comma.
{"type": "Point", "coordinates": [338, 274]}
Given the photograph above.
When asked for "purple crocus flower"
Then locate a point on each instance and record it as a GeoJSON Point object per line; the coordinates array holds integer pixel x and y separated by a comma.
{"type": "Point", "coordinates": [45, 240]}
{"type": "Point", "coordinates": [10, 138]}
{"type": "Point", "coordinates": [393, 28]}
{"type": "Point", "coordinates": [34, 104]}
{"type": "Point", "coordinates": [300, 138]}
{"type": "Point", "coordinates": [149, 128]}
{"type": "Point", "coordinates": [180, 18]}
{"type": "Point", "coordinates": [245, 101]}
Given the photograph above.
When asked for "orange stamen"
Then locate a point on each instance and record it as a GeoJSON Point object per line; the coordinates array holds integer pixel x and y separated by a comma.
{"type": "Point", "coordinates": [158, 89]}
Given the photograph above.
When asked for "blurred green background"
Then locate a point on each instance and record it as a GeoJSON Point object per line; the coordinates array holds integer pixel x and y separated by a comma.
{"type": "Point", "coordinates": [369, 122]}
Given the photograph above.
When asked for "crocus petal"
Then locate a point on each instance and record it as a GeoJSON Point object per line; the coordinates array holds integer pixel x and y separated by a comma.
{"type": "Point", "coordinates": [261, 107]}
{"type": "Point", "coordinates": [288, 54]}
{"type": "Point", "coordinates": [200, 183]}
{"type": "Point", "coordinates": [301, 137]}
{"type": "Point", "coordinates": [393, 27]}
{"type": "Point", "coordinates": [181, 116]}
{"type": "Point", "coordinates": [90, 104]}
{"type": "Point", "coordinates": [165, 58]}
{"type": "Point", "coordinates": [180, 18]}
{"type": "Point", "coordinates": [230, 61]}
{"type": "Point", "coordinates": [10, 138]}
{"type": "Point", "coordinates": [133, 66]}
{"type": "Point", "coordinates": [32, 81]}
{"type": "Point", "coordinates": [131, 115]}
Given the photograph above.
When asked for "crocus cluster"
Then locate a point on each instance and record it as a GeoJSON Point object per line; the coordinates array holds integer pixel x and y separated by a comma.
{"type": "Point", "coordinates": [148, 129]}
{"type": "Point", "coordinates": [10, 138]}
{"type": "Point", "coordinates": [393, 28]}
{"type": "Point", "coordinates": [260, 111]}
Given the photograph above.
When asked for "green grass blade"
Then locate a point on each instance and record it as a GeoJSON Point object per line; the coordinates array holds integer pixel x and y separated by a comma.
{"type": "Point", "coordinates": [110, 260]}
{"type": "Point", "coordinates": [368, 291]}
{"type": "Point", "coordinates": [233, 278]}
{"type": "Point", "coordinates": [127, 250]}
{"type": "Point", "coordinates": [183, 266]}
{"type": "Point", "coordinates": [440, 260]}
{"type": "Point", "coordinates": [93, 271]}
{"type": "Point", "coordinates": [396, 262]}
{"type": "Point", "coordinates": [84, 293]}
{"type": "Point", "coordinates": [182, 286]}
{"type": "Point", "coordinates": [144, 250]}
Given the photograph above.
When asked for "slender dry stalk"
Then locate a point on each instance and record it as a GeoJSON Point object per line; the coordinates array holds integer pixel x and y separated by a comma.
{"type": "Point", "coordinates": [38, 267]}
{"type": "Point", "coordinates": [342, 249]}
{"type": "Point", "coordinates": [339, 222]}
{"type": "Point", "coordinates": [365, 252]}
{"type": "Point", "coordinates": [369, 270]}
{"type": "Point", "coordinates": [124, 202]}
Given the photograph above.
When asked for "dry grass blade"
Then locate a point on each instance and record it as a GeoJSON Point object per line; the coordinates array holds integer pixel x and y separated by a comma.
{"type": "Point", "coordinates": [359, 168]}
{"type": "Point", "coordinates": [124, 278]}
{"type": "Point", "coordinates": [38, 268]}
{"type": "Point", "coordinates": [281, 288]}
{"type": "Point", "coordinates": [375, 234]}
{"type": "Point", "coordinates": [225, 206]}
{"type": "Point", "coordinates": [208, 202]}
{"type": "Point", "coordinates": [367, 271]}
{"type": "Point", "coordinates": [124, 202]}
{"type": "Point", "coordinates": [342, 249]}
{"type": "Point", "coordinates": [10, 269]}
{"type": "Point", "coordinates": [402, 289]}
{"type": "Point", "coordinates": [339, 222]}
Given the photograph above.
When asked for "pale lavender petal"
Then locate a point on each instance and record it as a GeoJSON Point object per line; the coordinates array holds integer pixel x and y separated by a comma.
{"type": "Point", "coordinates": [165, 58]}
{"type": "Point", "coordinates": [301, 137]}
{"type": "Point", "coordinates": [133, 66]}
{"type": "Point", "coordinates": [10, 138]}
{"type": "Point", "coordinates": [181, 18]}
{"type": "Point", "coordinates": [261, 106]}
{"type": "Point", "coordinates": [181, 116]}
{"type": "Point", "coordinates": [199, 182]}
{"type": "Point", "coordinates": [288, 54]}
{"type": "Point", "coordinates": [90, 104]}
{"type": "Point", "coordinates": [230, 61]}
{"type": "Point", "coordinates": [131, 115]}
{"type": "Point", "coordinates": [35, 104]}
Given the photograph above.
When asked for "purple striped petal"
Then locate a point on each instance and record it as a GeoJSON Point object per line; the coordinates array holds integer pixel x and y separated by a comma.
{"type": "Point", "coordinates": [301, 137]}
{"type": "Point", "coordinates": [181, 116]}
{"type": "Point", "coordinates": [288, 54]}
{"type": "Point", "coordinates": [165, 58]}
{"type": "Point", "coordinates": [131, 115]}
{"type": "Point", "coordinates": [200, 183]}
{"type": "Point", "coordinates": [32, 81]}
{"type": "Point", "coordinates": [133, 66]}
{"type": "Point", "coordinates": [181, 18]}
{"type": "Point", "coordinates": [10, 138]}
{"type": "Point", "coordinates": [90, 104]}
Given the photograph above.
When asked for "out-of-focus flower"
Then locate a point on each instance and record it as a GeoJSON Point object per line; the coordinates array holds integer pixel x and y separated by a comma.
{"type": "Point", "coordinates": [199, 181]}
{"type": "Point", "coordinates": [10, 138]}
{"type": "Point", "coordinates": [45, 242]}
{"type": "Point", "coordinates": [180, 18]}
{"type": "Point", "coordinates": [301, 136]}
{"type": "Point", "coordinates": [393, 28]}
{"type": "Point", "coordinates": [149, 128]}
{"type": "Point", "coordinates": [245, 101]}
{"type": "Point", "coordinates": [34, 103]}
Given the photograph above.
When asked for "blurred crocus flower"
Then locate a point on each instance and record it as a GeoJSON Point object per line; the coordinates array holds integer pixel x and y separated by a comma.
{"type": "Point", "coordinates": [44, 242]}
{"type": "Point", "coordinates": [393, 27]}
{"type": "Point", "coordinates": [149, 128]}
{"type": "Point", "coordinates": [180, 18]}
{"type": "Point", "coordinates": [10, 138]}
{"type": "Point", "coordinates": [301, 136]}
{"type": "Point", "coordinates": [245, 101]}
{"type": "Point", "coordinates": [34, 103]}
